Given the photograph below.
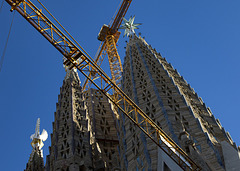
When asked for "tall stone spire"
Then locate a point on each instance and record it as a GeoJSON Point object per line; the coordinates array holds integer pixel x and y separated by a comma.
{"type": "Point", "coordinates": [169, 100]}
{"type": "Point", "coordinates": [36, 158]}
{"type": "Point", "coordinates": [70, 142]}
{"type": "Point", "coordinates": [84, 134]}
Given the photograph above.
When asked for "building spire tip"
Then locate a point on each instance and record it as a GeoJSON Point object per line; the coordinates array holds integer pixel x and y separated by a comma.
{"type": "Point", "coordinates": [129, 26]}
{"type": "Point", "coordinates": [37, 139]}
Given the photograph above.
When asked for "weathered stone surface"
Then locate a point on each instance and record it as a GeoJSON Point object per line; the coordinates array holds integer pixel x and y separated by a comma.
{"type": "Point", "coordinates": [102, 126]}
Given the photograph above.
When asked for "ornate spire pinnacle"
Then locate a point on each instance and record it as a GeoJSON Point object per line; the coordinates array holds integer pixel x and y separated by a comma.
{"type": "Point", "coordinates": [72, 75]}
{"type": "Point", "coordinates": [37, 139]}
{"type": "Point", "coordinates": [129, 26]}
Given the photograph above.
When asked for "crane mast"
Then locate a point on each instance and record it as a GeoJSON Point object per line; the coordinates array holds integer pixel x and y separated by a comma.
{"type": "Point", "coordinates": [109, 36]}
{"type": "Point", "coordinates": [76, 57]}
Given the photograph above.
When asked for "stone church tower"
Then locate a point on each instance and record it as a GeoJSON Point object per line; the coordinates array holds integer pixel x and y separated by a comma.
{"type": "Point", "coordinates": [70, 146]}
{"type": "Point", "coordinates": [84, 135]}
{"type": "Point", "coordinates": [159, 90]}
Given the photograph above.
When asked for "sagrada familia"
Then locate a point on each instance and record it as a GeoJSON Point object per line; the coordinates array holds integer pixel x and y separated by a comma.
{"type": "Point", "coordinates": [89, 134]}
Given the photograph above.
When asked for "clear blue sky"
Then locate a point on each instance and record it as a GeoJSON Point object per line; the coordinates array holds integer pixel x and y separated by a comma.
{"type": "Point", "coordinates": [201, 39]}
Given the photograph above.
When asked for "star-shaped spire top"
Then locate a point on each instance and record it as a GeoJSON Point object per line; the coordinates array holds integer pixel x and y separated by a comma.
{"type": "Point", "coordinates": [129, 26]}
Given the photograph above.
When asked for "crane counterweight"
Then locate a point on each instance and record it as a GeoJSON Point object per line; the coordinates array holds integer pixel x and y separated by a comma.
{"type": "Point", "coordinates": [103, 32]}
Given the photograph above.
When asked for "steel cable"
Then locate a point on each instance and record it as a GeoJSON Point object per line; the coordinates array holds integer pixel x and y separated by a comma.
{"type": "Point", "coordinates": [1, 5]}
{"type": "Point", "coordinates": [5, 47]}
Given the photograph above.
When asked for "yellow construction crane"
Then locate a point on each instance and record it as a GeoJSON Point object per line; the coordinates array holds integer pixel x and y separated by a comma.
{"type": "Point", "coordinates": [75, 56]}
{"type": "Point", "coordinates": [109, 36]}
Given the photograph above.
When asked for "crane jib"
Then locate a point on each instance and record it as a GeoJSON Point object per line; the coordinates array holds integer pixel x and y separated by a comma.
{"type": "Point", "coordinates": [119, 17]}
